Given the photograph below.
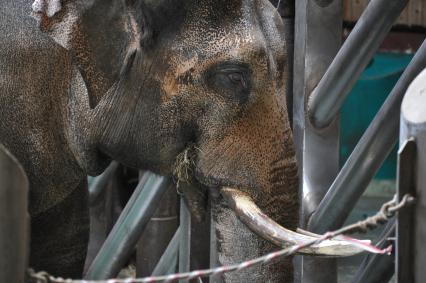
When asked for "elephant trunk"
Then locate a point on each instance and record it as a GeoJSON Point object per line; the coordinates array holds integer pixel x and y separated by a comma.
{"type": "Point", "coordinates": [234, 242]}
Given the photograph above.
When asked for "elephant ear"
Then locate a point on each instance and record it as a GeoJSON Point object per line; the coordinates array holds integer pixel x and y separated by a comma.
{"type": "Point", "coordinates": [58, 18]}
{"type": "Point", "coordinates": [99, 34]}
{"type": "Point", "coordinates": [157, 17]}
{"type": "Point", "coordinates": [102, 34]}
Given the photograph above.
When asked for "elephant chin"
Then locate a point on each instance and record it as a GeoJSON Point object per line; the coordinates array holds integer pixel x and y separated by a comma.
{"type": "Point", "coordinates": [262, 225]}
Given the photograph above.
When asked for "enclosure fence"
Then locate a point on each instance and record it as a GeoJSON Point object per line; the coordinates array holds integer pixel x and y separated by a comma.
{"type": "Point", "coordinates": [326, 73]}
{"type": "Point", "coordinates": [387, 211]}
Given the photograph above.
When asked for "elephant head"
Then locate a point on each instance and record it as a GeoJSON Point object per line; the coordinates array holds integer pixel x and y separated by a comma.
{"type": "Point", "coordinates": [207, 78]}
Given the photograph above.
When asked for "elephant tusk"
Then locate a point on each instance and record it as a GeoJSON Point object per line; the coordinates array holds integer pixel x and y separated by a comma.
{"type": "Point", "coordinates": [262, 225]}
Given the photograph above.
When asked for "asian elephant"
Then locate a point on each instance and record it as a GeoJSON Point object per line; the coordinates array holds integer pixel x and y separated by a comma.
{"type": "Point", "coordinates": [140, 82]}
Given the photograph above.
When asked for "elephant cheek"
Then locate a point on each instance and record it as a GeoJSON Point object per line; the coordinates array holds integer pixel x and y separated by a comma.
{"type": "Point", "coordinates": [255, 155]}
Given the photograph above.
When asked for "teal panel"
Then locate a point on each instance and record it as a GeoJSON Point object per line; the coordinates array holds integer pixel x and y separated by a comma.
{"type": "Point", "coordinates": [362, 104]}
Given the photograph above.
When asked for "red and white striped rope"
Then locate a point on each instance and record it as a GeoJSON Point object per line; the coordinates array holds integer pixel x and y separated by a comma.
{"type": "Point", "coordinates": [387, 211]}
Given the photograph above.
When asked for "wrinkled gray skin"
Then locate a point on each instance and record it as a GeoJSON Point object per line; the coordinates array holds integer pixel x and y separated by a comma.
{"type": "Point", "coordinates": [140, 82]}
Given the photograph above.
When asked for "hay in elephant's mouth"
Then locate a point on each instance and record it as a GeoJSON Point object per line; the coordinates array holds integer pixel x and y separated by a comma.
{"type": "Point", "coordinates": [184, 165]}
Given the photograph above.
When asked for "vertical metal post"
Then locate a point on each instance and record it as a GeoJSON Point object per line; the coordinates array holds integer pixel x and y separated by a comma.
{"type": "Point", "coordinates": [185, 239]}
{"type": "Point", "coordinates": [318, 33]}
{"type": "Point", "coordinates": [405, 222]}
{"type": "Point", "coordinates": [14, 219]}
{"type": "Point", "coordinates": [411, 224]}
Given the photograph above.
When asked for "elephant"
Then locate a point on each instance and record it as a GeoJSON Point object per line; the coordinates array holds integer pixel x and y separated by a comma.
{"type": "Point", "coordinates": [84, 82]}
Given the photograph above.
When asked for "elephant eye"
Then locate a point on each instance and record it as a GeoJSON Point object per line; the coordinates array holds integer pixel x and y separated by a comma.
{"type": "Point", "coordinates": [231, 80]}
{"type": "Point", "coordinates": [238, 79]}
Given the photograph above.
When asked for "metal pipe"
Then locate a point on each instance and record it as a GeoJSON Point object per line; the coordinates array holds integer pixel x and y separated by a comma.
{"type": "Point", "coordinates": [102, 191]}
{"type": "Point", "coordinates": [99, 183]}
{"type": "Point", "coordinates": [404, 262]}
{"type": "Point", "coordinates": [367, 157]}
{"type": "Point", "coordinates": [318, 35]}
{"type": "Point", "coordinates": [376, 267]}
{"type": "Point", "coordinates": [375, 22]}
{"type": "Point", "coordinates": [123, 238]}
{"type": "Point", "coordinates": [185, 239]}
{"type": "Point", "coordinates": [14, 219]}
{"type": "Point", "coordinates": [411, 223]}
{"type": "Point", "coordinates": [168, 261]}
{"type": "Point", "coordinates": [157, 234]}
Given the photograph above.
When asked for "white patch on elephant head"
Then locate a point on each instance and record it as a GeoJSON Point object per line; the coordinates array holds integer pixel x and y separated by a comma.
{"type": "Point", "coordinates": [133, 28]}
{"type": "Point", "coordinates": [47, 7]}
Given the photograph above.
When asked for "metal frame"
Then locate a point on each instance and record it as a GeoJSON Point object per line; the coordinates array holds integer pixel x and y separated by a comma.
{"type": "Point", "coordinates": [411, 224]}
{"type": "Point", "coordinates": [129, 227]}
{"type": "Point", "coordinates": [367, 157]}
{"type": "Point", "coordinates": [318, 30]}
{"type": "Point", "coordinates": [315, 110]}
{"type": "Point", "coordinates": [357, 51]}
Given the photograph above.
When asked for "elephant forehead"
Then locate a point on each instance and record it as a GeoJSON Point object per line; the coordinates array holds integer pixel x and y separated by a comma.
{"type": "Point", "coordinates": [239, 34]}
{"type": "Point", "coordinates": [211, 30]}
{"type": "Point", "coordinates": [227, 25]}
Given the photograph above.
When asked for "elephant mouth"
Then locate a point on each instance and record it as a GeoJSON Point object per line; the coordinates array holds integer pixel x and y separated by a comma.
{"type": "Point", "coordinates": [250, 214]}
{"type": "Point", "coordinates": [262, 225]}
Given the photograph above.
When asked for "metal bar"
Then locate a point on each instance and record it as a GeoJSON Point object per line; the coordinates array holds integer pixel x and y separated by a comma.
{"type": "Point", "coordinates": [411, 225]}
{"type": "Point", "coordinates": [99, 183]}
{"type": "Point", "coordinates": [185, 239]}
{"type": "Point", "coordinates": [404, 266]}
{"type": "Point", "coordinates": [367, 157]}
{"type": "Point", "coordinates": [357, 51]}
{"type": "Point", "coordinates": [318, 33]}
{"type": "Point", "coordinates": [168, 261]}
{"type": "Point", "coordinates": [376, 267]}
{"type": "Point", "coordinates": [123, 238]}
{"type": "Point", "coordinates": [102, 191]}
{"type": "Point", "coordinates": [158, 233]}
{"type": "Point", "coordinates": [14, 219]}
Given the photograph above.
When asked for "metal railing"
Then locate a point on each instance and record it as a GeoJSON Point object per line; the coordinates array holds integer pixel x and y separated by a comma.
{"type": "Point", "coordinates": [122, 240]}
{"type": "Point", "coordinates": [326, 201]}
{"type": "Point", "coordinates": [367, 157]}
{"type": "Point", "coordinates": [373, 25]}
{"type": "Point", "coordinates": [129, 227]}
